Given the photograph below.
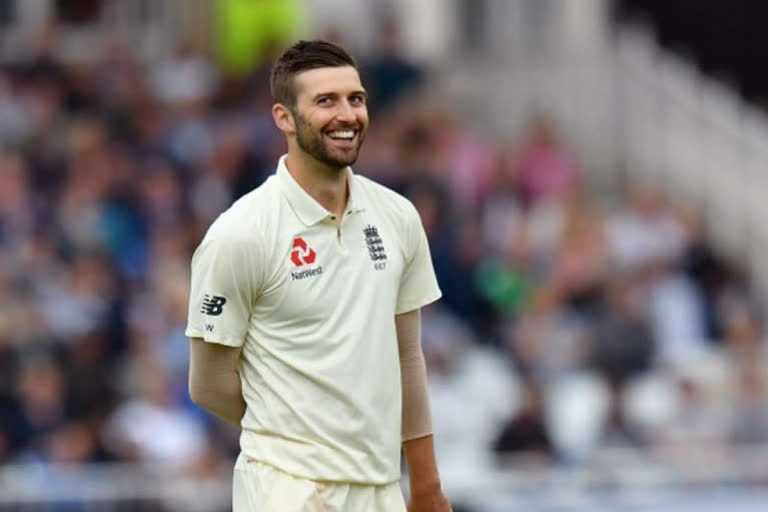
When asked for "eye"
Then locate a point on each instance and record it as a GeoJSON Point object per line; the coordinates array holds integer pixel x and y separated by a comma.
{"type": "Point", "coordinates": [357, 99]}
{"type": "Point", "coordinates": [324, 100]}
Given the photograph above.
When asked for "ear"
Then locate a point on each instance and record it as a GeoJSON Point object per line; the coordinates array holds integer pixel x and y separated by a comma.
{"type": "Point", "coordinates": [283, 118]}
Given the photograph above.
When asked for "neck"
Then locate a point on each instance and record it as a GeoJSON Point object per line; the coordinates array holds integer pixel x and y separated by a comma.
{"type": "Point", "coordinates": [327, 185]}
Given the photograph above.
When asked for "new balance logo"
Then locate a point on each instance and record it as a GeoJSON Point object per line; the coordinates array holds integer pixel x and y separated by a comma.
{"type": "Point", "coordinates": [213, 305]}
{"type": "Point", "coordinates": [301, 253]}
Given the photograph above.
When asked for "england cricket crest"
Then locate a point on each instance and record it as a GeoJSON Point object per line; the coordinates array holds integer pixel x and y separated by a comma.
{"type": "Point", "coordinates": [375, 247]}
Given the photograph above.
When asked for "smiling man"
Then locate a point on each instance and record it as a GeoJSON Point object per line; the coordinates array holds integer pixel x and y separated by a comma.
{"type": "Point", "coordinates": [304, 314]}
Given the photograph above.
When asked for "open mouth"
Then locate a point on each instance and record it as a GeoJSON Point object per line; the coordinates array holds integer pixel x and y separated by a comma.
{"type": "Point", "coordinates": [343, 138]}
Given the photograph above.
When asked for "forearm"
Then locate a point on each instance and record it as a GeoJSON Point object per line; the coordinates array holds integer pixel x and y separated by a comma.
{"type": "Point", "coordinates": [224, 399]}
{"type": "Point", "coordinates": [418, 444]}
{"type": "Point", "coordinates": [416, 415]}
{"type": "Point", "coordinates": [214, 383]}
{"type": "Point", "coordinates": [422, 468]}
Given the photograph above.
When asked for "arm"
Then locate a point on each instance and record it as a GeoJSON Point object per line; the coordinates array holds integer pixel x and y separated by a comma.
{"type": "Point", "coordinates": [225, 281]}
{"type": "Point", "coordinates": [418, 445]}
{"type": "Point", "coordinates": [214, 383]}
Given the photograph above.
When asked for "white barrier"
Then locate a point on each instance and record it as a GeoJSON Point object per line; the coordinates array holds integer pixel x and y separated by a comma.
{"type": "Point", "coordinates": [625, 479]}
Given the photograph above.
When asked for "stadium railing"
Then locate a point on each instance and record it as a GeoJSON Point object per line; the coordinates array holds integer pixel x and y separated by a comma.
{"type": "Point", "coordinates": [622, 478]}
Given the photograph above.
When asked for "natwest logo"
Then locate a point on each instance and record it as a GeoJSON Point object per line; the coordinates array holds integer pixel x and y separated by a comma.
{"type": "Point", "coordinates": [301, 253]}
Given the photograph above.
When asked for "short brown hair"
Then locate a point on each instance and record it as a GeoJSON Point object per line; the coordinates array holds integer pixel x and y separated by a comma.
{"type": "Point", "coordinates": [303, 56]}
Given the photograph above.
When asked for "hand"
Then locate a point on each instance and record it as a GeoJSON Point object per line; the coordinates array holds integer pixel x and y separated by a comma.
{"type": "Point", "coordinates": [432, 501]}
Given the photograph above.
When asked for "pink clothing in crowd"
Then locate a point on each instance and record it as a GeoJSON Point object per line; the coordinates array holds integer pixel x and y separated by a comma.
{"type": "Point", "coordinates": [546, 172]}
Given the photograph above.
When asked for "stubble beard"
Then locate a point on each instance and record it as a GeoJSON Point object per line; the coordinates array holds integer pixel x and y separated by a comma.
{"type": "Point", "coordinates": [312, 142]}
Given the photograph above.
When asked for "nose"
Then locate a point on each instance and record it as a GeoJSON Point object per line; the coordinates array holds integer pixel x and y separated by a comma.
{"type": "Point", "coordinates": [345, 112]}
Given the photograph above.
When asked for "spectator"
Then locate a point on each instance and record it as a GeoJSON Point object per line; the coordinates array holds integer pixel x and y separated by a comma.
{"type": "Point", "coordinates": [526, 432]}
{"type": "Point", "coordinates": [749, 418]}
{"type": "Point", "coordinates": [168, 435]}
{"type": "Point", "coordinates": [546, 170]}
{"type": "Point", "coordinates": [644, 231]}
{"type": "Point", "coordinates": [677, 315]}
{"type": "Point", "coordinates": [623, 347]}
{"type": "Point", "coordinates": [388, 72]}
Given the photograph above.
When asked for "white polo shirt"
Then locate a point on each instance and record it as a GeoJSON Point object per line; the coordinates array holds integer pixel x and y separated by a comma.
{"type": "Point", "coordinates": [313, 305]}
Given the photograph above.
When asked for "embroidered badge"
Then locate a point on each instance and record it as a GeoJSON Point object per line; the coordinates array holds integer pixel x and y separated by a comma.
{"type": "Point", "coordinates": [375, 247]}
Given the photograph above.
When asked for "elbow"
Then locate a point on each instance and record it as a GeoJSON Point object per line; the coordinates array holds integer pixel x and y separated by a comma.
{"type": "Point", "coordinates": [199, 395]}
{"type": "Point", "coordinates": [194, 395]}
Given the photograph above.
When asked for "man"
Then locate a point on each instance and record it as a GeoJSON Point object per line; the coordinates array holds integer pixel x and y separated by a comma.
{"type": "Point", "coordinates": [304, 314]}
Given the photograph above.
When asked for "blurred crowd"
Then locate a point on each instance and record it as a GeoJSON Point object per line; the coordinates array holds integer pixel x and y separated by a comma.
{"type": "Point", "coordinates": [568, 322]}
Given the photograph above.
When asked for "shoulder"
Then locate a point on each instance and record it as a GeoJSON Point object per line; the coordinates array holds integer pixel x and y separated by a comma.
{"type": "Point", "coordinates": [386, 199]}
{"type": "Point", "coordinates": [245, 220]}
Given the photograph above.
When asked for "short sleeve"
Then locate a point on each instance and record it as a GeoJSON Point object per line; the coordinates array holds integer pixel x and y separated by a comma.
{"type": "Point", "coordinates": [226, 281]}
{"type": "Point", "coordinates": [418, 284]}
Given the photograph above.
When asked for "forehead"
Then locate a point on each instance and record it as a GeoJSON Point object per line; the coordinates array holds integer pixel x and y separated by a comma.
{"type": "Point", "coordinates": [340, 80]}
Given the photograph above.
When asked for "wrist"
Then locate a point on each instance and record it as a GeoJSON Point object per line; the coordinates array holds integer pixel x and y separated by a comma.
{"type": "Point", "coordinates": [425, 487]}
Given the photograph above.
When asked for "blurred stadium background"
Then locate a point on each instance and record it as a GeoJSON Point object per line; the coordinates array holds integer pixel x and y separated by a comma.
{"type": "Point", "coordinates": [590, 174]}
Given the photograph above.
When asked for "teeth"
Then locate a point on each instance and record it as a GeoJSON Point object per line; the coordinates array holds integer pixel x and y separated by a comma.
{"type": "Point", "coordinates": [342, 134]}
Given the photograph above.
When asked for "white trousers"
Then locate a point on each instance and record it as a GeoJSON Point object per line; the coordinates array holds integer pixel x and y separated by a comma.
{"type": "Point", "coordinates": [259, 487]}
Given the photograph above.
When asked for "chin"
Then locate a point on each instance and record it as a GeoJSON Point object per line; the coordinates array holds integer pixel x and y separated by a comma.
{"type": "Point", "coordinates": [341, 161]}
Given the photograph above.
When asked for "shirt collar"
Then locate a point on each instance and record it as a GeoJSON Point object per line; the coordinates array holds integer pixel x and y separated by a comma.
{"type": "Point", "coordinates": [308, 210]}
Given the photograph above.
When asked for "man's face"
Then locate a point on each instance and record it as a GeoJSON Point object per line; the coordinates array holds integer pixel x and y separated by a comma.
{"type": "Point", "coordinates": [331, 114]}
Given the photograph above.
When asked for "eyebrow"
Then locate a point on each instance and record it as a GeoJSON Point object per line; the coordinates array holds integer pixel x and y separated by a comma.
{"type": "Point", "coordinates": [360, 92]}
